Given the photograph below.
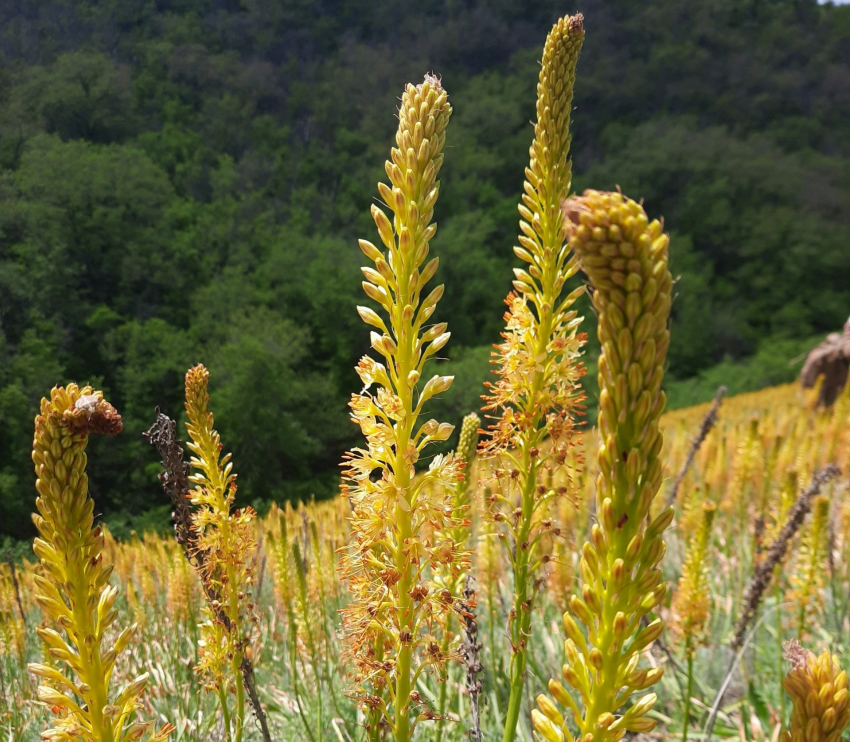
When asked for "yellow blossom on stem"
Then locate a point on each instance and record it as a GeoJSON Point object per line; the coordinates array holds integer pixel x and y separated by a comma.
{"type": "Point", "coordinates": [808, 579]}
{"type": "Point", "coordinates": [536, 396]}
{"type": "Point", "coordinates": [225, 537]}
{"type": "Point", "coordinates": [625, 258]}
{"type": "Point", "coordinates": [389, 623]}
{"type": "Point", "coordinates": [73, 588]}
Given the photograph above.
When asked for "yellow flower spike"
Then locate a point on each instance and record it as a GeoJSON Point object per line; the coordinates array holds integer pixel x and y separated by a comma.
{"type": "Point", "coordinates": [808, 579]}
{"type": "Point", "coordinates": [537, 396]}
{"type": "Point", "coordinates": [72, 589]}
{"type": "Point", "coordinates": [225, 537]}
{"type": "Point", "coordinates": [625, 258]}
{"type": "Point", "coordinates": [386, 622]}
{"type": "Point", "coordinates": [452, 579]}
{"type": "Point", "coordinates": [691, 605]}
{"type": "Point", "coordinates": [817, 687]}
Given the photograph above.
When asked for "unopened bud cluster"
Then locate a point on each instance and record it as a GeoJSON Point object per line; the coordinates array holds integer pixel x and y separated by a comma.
{"type": "Point", "coordinates": [625, 257]}
{"type": "Point", "coordinates": [818, 689]}
{"type": "Point", "coordinates": [73, 588]}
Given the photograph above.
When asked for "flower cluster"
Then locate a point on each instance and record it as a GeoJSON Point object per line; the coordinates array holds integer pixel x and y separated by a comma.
{"type": "Point", "coordinates": [536, 396]}
{"type": "Point", "coordinates": [73, 589]}
{"type": "Point", "coordinates": [691, 607]}
{"type": "Point", "coordinates": [818, 689]}
{"type": "Point", "coordinates": [390, 621]}
{"type": "Point", "coordinates": [808, 579]}
{"type": "Point", "coordinates": [625, 258]}
{"type": "Point", "coordinates": [224, 540]}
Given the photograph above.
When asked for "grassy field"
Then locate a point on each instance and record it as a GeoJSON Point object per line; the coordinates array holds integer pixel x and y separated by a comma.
{"type": "Point", "coordinates": [759, 457]}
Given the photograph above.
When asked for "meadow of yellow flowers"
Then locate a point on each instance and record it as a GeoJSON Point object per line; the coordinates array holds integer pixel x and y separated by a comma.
{"type": "Point", "coordinates": [658, 574]}
{"type": "Point", "coordinates": [734, 500]}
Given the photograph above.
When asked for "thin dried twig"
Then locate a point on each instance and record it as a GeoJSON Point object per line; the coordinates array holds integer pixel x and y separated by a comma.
{"type": "Point", "coordinates": [707, 424]}
{"type": "Point", "coordinates": [761, 581]}
{"type": "Point", "coordinates": [471, 648]}
{"type": "Point", "coordinates": [175, 481]}
{"type": "Point", "coordinates": [765, 568]}
{"type": "Point", "coordinates": [17, 587]}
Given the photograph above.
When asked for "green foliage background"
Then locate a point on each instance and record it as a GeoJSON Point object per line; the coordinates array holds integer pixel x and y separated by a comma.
{"type": "Point", "coordinates": [184, 181]}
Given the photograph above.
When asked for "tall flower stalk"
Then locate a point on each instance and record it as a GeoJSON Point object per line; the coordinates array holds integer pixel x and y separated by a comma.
{"type": "Point", "coordinates": [691, 607]}
{"type": "Point", "coordinates": [391, 620]}
{"type": "Point", "coordinates": [225, 536]}
{"type": "Point", "coordinates": [625, 258]}
{"type": "Point", "coordinates": [809, 577]}
{"type": "Point", "coordinates": [454, 582]}
{"type": "Point", "coordinates": [73, 588]}
{"type": "Point", "coordinates": [536, 396]}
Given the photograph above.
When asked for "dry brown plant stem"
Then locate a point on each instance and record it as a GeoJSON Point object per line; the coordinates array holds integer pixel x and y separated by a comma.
{"type": "Point", "coordinates": [765, 568]}
{"type": "Point", "coordinates": [471, 648]}
{"type": "Point", "coordinates": [17, 587]}
{"type": "Point", "coordinates": [708, 423]}
{"type": "Point", "coordinates": [761, 581]}
{"type": "Point", "coordinates": [175, 481]}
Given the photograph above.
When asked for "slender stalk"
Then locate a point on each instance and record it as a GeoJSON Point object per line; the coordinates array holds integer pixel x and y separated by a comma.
{"type": "Point", "coordinates": [444, 685]}
{"type": "Point", "coordinates": [225, 712]}
{"type": "Point", "coordinates": [780, 655]}
{"type": "Point", "coordinates": [392, 607]}
{"type": "Point", "coordinates": [537, 395]}
{"type": "Point", "coordinates": [687, 713]}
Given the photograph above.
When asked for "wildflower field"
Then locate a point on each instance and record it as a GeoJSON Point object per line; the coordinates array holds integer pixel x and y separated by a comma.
{"type": "Point", "coordinates": [751, 469]}
{"type": "Point", "coordinates": [658, 574]}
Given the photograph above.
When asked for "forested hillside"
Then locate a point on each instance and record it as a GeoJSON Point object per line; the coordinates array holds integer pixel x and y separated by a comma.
{"type": "Point", "coordinates": [185, 180]}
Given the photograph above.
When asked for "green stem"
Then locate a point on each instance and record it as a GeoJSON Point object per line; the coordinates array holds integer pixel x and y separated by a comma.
{"type": "Point", "coordinates": [404, 524]}
{"type": "Point", "coordinates": [780, 652]}
{"type": "Point", "coordinates": [441, 704]}
{"type": "Point", "coordinates": [523, 603]}
{"type": "Point", "coordinates": [687, 717]}
{"type": "Point", "coordinates": [240, 700]}
{"type": "Point", "coordinates": [225, 712]}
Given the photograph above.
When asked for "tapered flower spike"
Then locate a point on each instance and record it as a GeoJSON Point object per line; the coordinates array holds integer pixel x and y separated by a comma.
{"type": "Point", "coordinates": [537, 396]}
{"type": "Point", "coordinates": [809, 576]}
{"type": "Point", "coordinates": [625, 258]}
{"type": "Point", "coordinates": [453, 581]}
{"type": "Point", "coordinates": [467, 446]}
{"type": "Point", "coordinates": [225, 537]}
{"type": "Point", "coordinates": [818, 689]}
{"type": "Point", "coordinates": [388, 623]}
{"type": "Point", "coordinates": [691, 607]}
{"type": "Point", "coordinates": [73, 588]}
